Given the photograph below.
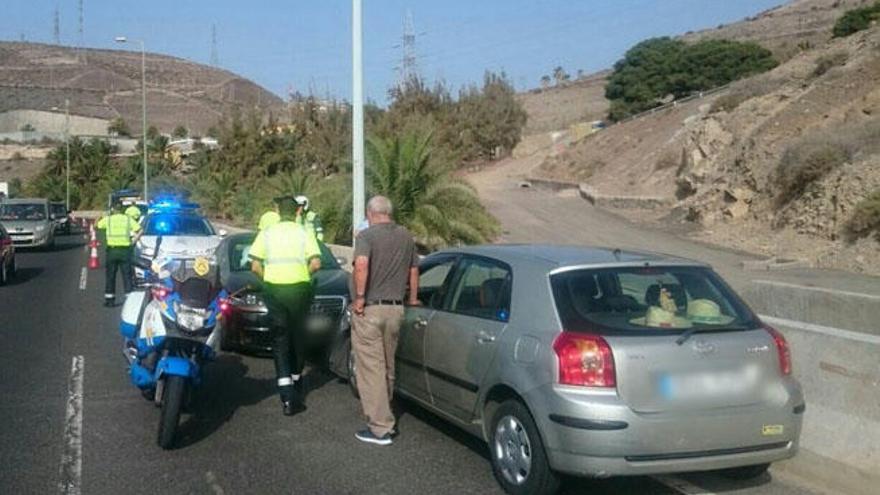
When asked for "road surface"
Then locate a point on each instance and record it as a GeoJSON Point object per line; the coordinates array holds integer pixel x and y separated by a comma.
{"type": "Point", "coordinates": [70, 422]}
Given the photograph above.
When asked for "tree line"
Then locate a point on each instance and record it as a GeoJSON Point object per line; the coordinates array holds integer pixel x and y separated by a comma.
{"type": "Point", "coordinates": [414, 149]}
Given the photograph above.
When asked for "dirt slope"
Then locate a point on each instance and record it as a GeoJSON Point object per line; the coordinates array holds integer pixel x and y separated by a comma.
{"type": "Point", "coordinates": [558, 107]}
{"type": "Point", "coordinates": [106, 84]}
{"type": "Point", "coordinates": [717, 159]}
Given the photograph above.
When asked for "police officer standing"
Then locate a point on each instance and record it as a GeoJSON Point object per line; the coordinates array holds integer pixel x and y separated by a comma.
{"type": "Point", "coordinates": [286, 256]}
{"type": "Point", "coordinates": [133, 212]}
{"type": "Point", "coordinates": [118, 228]}
{"type": "Point", "coordinates": [309, 219]}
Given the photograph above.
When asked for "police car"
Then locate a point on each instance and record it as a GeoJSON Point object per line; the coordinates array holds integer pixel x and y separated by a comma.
{"type": "Point", "coordinates": [185, 233]}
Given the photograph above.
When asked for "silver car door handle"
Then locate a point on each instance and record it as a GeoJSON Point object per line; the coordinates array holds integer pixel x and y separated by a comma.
{"type": "Point", "coordinates": [485, 338]}
{"type": "Point", "coordinates": [419, 324]}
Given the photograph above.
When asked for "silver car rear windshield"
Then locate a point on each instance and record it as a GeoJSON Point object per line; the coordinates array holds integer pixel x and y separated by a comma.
{"type": "Point", "coordinates": [647, 300]}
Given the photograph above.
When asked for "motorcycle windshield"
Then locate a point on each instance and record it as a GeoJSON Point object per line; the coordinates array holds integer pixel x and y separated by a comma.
{"type": "Point", "coordinates": [197, 282]}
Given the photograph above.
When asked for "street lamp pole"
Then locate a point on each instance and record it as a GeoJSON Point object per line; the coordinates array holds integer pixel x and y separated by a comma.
{"type": "Point", "coordinates": [357, 114]}
{"type": "Point", "coordinates": [67, 145]}
{"type": "Point", "coordinates": [123, 39]}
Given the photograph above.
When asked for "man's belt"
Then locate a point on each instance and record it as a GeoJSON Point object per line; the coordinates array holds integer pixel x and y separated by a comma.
{"type": "Point", "coordinates": [385, 302]}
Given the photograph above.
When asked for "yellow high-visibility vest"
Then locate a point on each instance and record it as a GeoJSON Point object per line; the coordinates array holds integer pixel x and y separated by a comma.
{"type": "Point", "coordinates": [285, 250]}
{"type": "Point", "coordinates": [119, 228]}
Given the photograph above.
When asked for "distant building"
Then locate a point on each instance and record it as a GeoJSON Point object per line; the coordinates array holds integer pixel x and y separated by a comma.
{"type": "Point", "coordinates": [27, 125]}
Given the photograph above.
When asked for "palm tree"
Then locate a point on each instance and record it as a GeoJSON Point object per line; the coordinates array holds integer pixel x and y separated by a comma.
{"type": "Point", "coordinates": [438, 208]}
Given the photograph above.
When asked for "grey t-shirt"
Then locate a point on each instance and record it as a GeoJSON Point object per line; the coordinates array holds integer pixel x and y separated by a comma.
{"type": "Point", "coordinates": [392, 252]}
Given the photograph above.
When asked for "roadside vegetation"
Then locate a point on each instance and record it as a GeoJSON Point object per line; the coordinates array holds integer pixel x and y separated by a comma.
{"type": "Point", "coordinates": [856, 20]}
{"type": "Point", "coordinates": [865, 219]}
{"type": "Point", "coordinates": [813, 157]}
{"type": "Point", "coordinates": [414, 150]}
{"type": "Point", "coordinates": [829, 61]}
{"type": "Point", "coordinates": [661, 69]}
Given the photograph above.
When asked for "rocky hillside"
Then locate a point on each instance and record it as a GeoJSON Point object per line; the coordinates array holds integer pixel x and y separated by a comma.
{"type": "Point", "coordinates": [786, 30]}
{"type": "Point", "coordinates": [778, 165]}
{"type": "Point", "coordinates": [106, 84]}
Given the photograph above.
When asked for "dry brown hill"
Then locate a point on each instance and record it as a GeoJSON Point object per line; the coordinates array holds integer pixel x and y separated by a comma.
{"type": "Point", "coordinates": [558, 107]}
{"type": "Point", "coordinates": [718, 160]}
{"type": "Point", "coordinates": [106, 84]}
{"type": "Point", "coordinates": [786, 30]}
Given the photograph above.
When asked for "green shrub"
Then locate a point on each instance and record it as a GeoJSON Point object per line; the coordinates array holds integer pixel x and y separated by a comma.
{"type": "Point", "coordinates": [655, 69]}
{"type": "Point", "coordinates": [856, 20]}
{"type": "Point", "coordinates": [865, 218]}
{"type": "Point", "coordinates": [826, 62]}
{"type": "Point", "coordinates": [806, 162]}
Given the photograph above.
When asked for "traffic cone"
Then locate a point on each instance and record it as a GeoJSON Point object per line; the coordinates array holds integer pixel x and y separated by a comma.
{"type": "Point", "coordinates": [93, 237]}
{"type": "Point", "coordinates": [93, 258]}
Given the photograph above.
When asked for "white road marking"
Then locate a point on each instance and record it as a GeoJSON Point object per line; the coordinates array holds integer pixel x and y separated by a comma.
{"type": "Point", "coordinates": [681, 486]}
{"type": "Point", "coordinates": [832, 331]}
{"type": "Point", "coordinates": [71, 457]}
{"type": "Point", "coordinates": [83, 278]}
{"type": "Point", "coordinates": [819, 289]}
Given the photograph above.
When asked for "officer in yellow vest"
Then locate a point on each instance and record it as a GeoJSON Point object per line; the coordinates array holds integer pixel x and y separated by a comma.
{"type": "Point", "coordinates": [285, 256]}
{"type": "Point", "coordinates": [309, 219]}
{"type": "Point", "coordinates": [133, 212]}
{"type": "Point", "coordinates": [119, 229]}
{"type": "Point", "coordinates": [268, 219]}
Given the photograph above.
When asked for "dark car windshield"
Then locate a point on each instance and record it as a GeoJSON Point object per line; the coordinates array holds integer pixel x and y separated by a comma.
{"type": "Point", "coordinates": [239, 261]}
{"type": "Point", "coordinates": [174, 224]}
{"type": "Point", "coordinates": [58, 209]}
{"type": "Point", "coordinates": [25, 211]}
{"type": "Point", "coordinates": [647, 300]}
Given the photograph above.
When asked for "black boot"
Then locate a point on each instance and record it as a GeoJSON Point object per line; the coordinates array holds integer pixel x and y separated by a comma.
{"type": "Point", "coordinates": [291, 407]}
{"type": "Point", "coordinates": [109, 302]}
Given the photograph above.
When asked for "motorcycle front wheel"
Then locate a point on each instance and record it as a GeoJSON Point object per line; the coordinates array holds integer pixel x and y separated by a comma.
{"type": "Point", "coordinates": [172, 401]}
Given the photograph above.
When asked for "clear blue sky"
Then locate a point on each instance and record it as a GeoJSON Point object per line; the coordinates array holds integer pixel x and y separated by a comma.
{"type": "Point", "coordinates": [307, 44]}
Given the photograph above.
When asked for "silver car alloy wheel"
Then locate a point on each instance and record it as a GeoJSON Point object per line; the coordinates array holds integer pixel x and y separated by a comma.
{"type": "Point", "coordinates": [512, 450]}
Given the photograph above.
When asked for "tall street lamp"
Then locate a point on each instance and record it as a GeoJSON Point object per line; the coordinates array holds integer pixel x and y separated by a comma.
{"type": "Point", "coordinates": [357, 114]}
{"type": "Point", "coordinates": [123, 39]}
{"type": "Point", "coordinates": [67, 147]}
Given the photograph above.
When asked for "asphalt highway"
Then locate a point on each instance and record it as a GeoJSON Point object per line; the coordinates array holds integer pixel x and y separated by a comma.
{"type": "Point", "coordinates": [70, 421]}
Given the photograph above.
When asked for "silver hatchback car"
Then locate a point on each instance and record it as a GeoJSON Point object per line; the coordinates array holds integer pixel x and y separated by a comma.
{"type": "Point", "coordinates": [597, 362]}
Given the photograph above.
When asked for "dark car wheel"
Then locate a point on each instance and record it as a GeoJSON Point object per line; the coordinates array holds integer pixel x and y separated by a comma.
{"type": "Point", "coordinates": [745, 472]}
{"type": "Point", "coordinates": [4, 273]}
{"type": "Point", "coordinates": [517, 452]}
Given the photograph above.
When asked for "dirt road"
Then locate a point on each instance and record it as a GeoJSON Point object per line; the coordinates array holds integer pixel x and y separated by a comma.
{"type": "Point", "coordinates": [540, 216]}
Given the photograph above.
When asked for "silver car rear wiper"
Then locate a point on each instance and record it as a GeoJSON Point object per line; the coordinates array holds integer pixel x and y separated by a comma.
{"type": "Point", "coordinates": [688, 333]}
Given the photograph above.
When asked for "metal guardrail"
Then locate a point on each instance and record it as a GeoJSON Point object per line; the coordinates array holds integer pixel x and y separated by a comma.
{"type": "Point", "coordinates": [674, 103]}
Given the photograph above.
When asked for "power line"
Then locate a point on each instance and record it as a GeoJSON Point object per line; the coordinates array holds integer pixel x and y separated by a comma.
{"type": "Point", "coordinates": [408, 63]}
{"type": "Point", "coordinates": [56, 26]}
{"type": "Point", "coordinates": [215, 58]}
{"type": "Point", "coordinates": [82, 54]}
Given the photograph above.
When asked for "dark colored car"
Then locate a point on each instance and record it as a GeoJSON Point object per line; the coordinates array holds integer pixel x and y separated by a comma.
{"type": "Point", "coordinates": [61, 215]}
{"type": "Point", "coordinates": [7, 256]}
{"type": "Point", "coordinates": [247, 329]}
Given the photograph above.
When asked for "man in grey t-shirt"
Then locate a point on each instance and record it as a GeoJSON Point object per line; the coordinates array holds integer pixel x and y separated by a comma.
{"type": "Point", "coordinates": [385, 262]}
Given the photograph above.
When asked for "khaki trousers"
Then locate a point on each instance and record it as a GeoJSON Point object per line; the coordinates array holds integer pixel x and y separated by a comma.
{"type": "Point", "coordinates": [374, 340]}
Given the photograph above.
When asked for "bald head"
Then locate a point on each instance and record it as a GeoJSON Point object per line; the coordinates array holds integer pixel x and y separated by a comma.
{"type": "Point", "coordinates": [379, 210]}
{"type": "Point", "coordinates": [380, 205]}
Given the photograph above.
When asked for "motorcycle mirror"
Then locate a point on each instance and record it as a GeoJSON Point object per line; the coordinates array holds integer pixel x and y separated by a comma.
{"type": "Point", "coordinates": [158, 245]}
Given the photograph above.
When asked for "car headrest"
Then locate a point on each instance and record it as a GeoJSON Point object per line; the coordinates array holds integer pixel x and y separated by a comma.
{"type": "Point", "coordinates": [490, 292]}
{"type": "Point", "coordinates": [583, 287]}
{"type": "Point", "coordinates": [652, 295]}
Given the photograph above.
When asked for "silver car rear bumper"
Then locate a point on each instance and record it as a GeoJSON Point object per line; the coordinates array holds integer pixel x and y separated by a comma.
{"type": "Point", "coordinates": [596, 434]}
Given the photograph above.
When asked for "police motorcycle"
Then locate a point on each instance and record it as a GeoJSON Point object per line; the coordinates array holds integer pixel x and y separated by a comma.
{"type": "Point", "coordinates": [171, 327]}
